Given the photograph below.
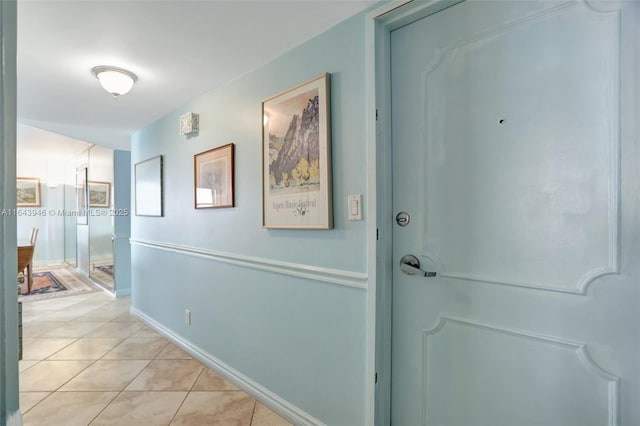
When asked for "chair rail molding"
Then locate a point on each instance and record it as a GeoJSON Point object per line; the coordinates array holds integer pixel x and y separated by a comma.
{"type": "Point", "coordinates": [316, 273]}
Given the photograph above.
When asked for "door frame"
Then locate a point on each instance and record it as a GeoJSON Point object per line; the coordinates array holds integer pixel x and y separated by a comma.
{"type": "Point", "coordinates": [380, 21]}
{"type": "Point", "coordinates": [9, 402]}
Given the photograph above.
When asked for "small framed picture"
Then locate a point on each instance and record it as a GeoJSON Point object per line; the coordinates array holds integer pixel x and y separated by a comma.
{"type": "Point", "coordinates": [213, 178]}
{"type": "Point", "coordinates": [99, 194]}
{"type": "Point", "coordinates": [28, 191]}
{"type": "Point", "coordinates": [148, 187]}
{"type": "Point", "coordinates": [296, 157]}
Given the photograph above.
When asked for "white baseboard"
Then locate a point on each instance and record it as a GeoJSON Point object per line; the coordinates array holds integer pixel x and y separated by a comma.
{"type": "Point", "coordinates": [265, 396]}
{"type": "Point", "coordinates": [48, 262]}
{"type": "Point", "coordinates": [15, 419]}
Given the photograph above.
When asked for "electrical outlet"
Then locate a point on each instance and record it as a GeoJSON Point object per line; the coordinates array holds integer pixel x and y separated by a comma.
{"type": "Point", "coordinates": [187, 317]}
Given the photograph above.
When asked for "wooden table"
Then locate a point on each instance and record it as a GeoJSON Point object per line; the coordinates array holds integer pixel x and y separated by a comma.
{"type": "Point", "coordinates": [25, 259]}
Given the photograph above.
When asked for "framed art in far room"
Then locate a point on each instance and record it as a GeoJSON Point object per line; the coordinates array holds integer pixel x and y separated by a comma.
{"type": "Point", "coordinates": [213, 175]}
{"type": "Point", "coordinates": [296, 157]}
{"type": "Point", "coordinates": [99, 194]}
{"type": "Point", "coordinates": [28, 192]}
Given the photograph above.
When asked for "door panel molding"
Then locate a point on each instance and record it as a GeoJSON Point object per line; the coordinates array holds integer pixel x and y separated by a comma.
{"type": "Point", "coordinates": [522, 342]}
{"type": "Point", "coordinates": [581, 289]}
{"type": "Point", "coordinates": [497, 30]}
{"type": "Point", "coordinates": [592, 212]}
{"type": "Point", "coordinates": [602, 8]}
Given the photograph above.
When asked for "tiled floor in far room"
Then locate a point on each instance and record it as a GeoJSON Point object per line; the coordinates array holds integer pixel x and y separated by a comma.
{"type": "Point", "coordinates": [88, 362]}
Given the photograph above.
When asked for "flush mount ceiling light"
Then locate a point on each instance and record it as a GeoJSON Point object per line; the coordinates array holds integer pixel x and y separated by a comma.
{"type": "Point", "coordinates": [114, 80]}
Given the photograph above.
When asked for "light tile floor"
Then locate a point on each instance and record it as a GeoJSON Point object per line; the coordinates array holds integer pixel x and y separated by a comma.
{"type": "Point", "coordinates": [86, 362]}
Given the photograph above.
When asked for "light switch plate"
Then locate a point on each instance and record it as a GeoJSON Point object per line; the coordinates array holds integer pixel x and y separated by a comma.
{"type": "Point", "coordinates": [355, 207]}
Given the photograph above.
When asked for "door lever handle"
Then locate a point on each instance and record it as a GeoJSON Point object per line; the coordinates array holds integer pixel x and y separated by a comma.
{"type": "Point", "coordinates": [410, 265]}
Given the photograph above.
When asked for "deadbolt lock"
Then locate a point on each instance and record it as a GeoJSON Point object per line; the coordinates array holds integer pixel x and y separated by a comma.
{"type": "Point", "coordinates": [403, 218]}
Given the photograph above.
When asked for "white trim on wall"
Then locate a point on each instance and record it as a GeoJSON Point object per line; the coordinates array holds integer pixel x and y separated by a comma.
{"type": "Point", "coordinates": [265, 396]}
{"type": "Point", "coordinates": [372, 213]}
{"type": "Point", "coordinates": [316, 273]}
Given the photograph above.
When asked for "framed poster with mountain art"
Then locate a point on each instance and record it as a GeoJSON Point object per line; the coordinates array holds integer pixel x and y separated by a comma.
{"type": "Point", "coordinates": [296, 157]}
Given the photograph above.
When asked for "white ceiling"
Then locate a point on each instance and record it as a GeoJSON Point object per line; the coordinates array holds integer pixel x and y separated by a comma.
{"type": "Point", "coordinates": [178, 49]}
{"type": "Point", "coordinates": [36, 143]}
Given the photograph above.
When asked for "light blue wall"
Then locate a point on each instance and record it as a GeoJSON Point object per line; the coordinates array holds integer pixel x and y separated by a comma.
{"type": "Point", "coordinates": [100, 218]}
{"type": "Point", "coordinates": [303, 339]}
{"type": "Point", "coordinates": [122, 221]}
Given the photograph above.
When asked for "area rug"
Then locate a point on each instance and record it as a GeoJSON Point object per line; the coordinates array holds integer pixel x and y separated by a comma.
{"type": "Point", "coordinates": [46, 283]}
{"type": "Point", "coordinates": [56, 282]}
{"type": "Point", "coordinates": [103, 275]}
{"type": "Point", "coordinates": [108, 269]}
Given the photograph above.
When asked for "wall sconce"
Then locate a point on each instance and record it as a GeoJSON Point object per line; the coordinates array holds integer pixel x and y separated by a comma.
{"type": "Point", "coordinates": [189, 123]}
{"type": "Point", "coordinates": [114, 80]}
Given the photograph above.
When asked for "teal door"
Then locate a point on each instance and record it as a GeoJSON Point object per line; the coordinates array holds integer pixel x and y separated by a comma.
{"type": "Point", "coordinates": [516, 160]}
